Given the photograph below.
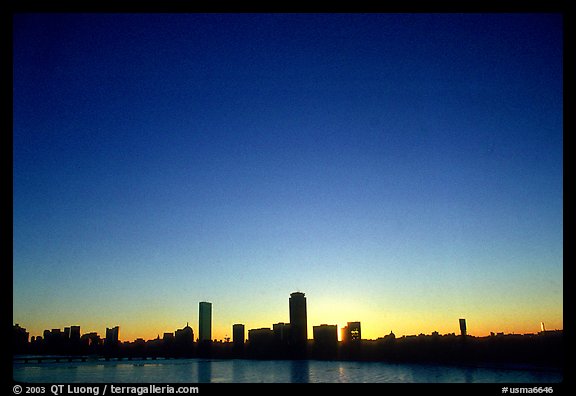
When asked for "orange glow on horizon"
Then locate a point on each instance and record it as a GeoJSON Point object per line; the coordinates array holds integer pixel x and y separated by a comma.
{"type": "Point", "coordinates": [370, 330]}
{"type": "Point", "coordinates": [376, 320]}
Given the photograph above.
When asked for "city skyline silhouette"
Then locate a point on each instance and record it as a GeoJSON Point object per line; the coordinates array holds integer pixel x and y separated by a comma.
{"type": "Point", "coordinates": [404, 170]}
{"type": "Point", "coordinates": [297, 308]}
{"type": "Point", "coordinates": [290, 341]}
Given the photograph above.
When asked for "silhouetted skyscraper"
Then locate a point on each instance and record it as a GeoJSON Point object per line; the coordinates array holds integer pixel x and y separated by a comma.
{"type": "Point", "coordinates": [463, 327]}
{"type": "Point", "coordinates": [75, 333]}
{"type": "Point", "coordinates": [205, 322]}
{"type": "Point", "coordinates": [112, 336]}
{"type": "Point", "coordinates": [238, 334]}
{"type": "Point", "coordinates": [352, 332]}
{"type": "Point", "coordinates": [298, 321]}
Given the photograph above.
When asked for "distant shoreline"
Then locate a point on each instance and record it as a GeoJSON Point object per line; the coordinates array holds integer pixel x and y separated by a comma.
{"type": "Point", "coordinates": [540, 352]}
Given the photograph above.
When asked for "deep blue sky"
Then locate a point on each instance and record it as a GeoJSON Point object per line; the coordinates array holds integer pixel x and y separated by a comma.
{"type": "Point", "coordinates": [401, 170]}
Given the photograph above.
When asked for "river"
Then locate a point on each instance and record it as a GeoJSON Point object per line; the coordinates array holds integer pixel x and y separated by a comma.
{"type": "Point", "coordinates": [268, 371]}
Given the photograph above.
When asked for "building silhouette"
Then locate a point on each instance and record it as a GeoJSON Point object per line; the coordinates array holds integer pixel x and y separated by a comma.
{"type": "Point", "coordinates": [238, 337]}
{"type": "Point", "coordinates": [261, 342]}
{"type": "Point", "coordinates": [19, 338]}
{"type": "Point", "coordinates": [463, 327]}
{"type": "Point", "coordinates": [281, 333]}
{"type": "Point", "coordinates": [112, 335]}
{"type": "Point", "coordinates": [90, 340]}
{"type": "Point", "coordinates": [184, 338]}
{"type": "Point", "coordinates": [352, 332]}
{"type": "Point", "coordinates": [544, 349]}
{"type": "Point", "coordinates": [298, 322]}
{"type": "Point", "coordinates": [325, 341]}
{"type": "Point", "coordinates": [263, 335]}
{"type": "Point", "coordinates": [205, 322]}
{"type": "Point", "coordinates": [75, 334]}
{"type": "Point", "coordinates": [352, 341]}
{"type": "Point", "coordinates": [54, 339]}
{"type": "Point", "coordinates": [238, 331]}
{"type": "Point", "coordinates": [325, 334]}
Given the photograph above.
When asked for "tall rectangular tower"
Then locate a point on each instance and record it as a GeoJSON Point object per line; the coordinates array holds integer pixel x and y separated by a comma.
{"type": "Point", "coordinates": [463, 327]}
{"type": "Point", "coordinates": [205, 322]}
{"type": "Point", "coordinates": [298, 322]}
{"type": "Point", "coordinates": [352, 332]}
{"type": "Point", "coordinates": [112, 336]}
{"type": "Point", "coordinates": [75, 333]}
{"type": "Point", "coordinates": [238, 334]}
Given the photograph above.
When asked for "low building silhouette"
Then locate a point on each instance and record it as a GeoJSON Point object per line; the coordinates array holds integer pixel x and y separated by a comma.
{"type": "Point", "coordinates": [261, 343]}
{"type": "Point", "coordinates": [351, 341]}
{"type": "Point", "coordinates": [281, 333]}
{"type": "Point", "coordinates": [19, 339]}
{"type": "Point", "coordinates": [184, 341]}
{"type": "Point", "coordinates": [325, 341]}
{"type": "Point", "coordinates": [352, 332]}
{"type": "Point", "coordinates": [91, 342]}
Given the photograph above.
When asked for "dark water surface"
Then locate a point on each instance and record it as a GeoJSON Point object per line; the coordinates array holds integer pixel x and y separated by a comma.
{"type": "Point", "coordinates": [270, 371]}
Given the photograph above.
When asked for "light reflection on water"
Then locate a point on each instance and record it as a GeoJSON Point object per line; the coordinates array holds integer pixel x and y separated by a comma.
{"type": "Point", "coordinates": [269, 371]}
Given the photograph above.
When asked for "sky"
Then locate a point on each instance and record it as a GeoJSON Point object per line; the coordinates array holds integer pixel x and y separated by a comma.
{"type": "Point", "coordinates": [402, 170]}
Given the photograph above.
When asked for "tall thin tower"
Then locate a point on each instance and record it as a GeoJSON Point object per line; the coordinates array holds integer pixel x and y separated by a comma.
{"type": "Point", "coordinates": [298, 322]}
{"type": "Point", "coordinates": [463, 327]}
{"type": "Point", "coordinates": [205, 322]}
